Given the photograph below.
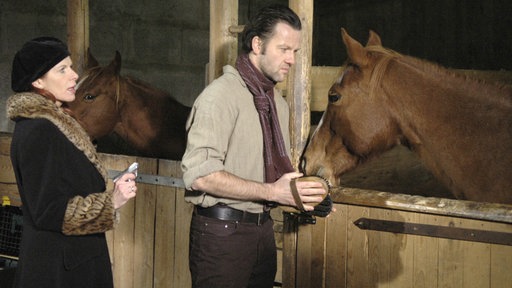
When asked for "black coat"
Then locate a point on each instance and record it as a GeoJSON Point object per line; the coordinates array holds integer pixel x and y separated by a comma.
{"type": "Point", "coordinates": [52, 171]}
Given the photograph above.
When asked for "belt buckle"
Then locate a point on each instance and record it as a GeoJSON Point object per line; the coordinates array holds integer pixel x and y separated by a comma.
{"type": "Point", "coordinates": [259, 219]}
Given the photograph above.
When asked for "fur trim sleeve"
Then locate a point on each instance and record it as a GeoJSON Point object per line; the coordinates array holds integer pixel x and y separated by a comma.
{"type": "Point", "coordinates": [92, 214]}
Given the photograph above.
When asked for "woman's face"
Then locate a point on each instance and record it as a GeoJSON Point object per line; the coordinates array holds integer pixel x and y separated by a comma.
{"type": "Point", "coordinates": [60, 81]}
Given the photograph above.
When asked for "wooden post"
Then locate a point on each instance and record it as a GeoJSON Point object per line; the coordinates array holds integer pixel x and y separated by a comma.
{"type": "Point", "coordinates": [78, 32]}
{"type": "Point", "coordinates": [223, 43]}
{"type": "Point", "coordinates": [298, 95]}
{"type": "Point", "coordinates": [299, 84]}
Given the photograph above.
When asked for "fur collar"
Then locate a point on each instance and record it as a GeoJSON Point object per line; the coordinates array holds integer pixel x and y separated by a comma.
{"type": "Point", "coordinates": [32, 105]}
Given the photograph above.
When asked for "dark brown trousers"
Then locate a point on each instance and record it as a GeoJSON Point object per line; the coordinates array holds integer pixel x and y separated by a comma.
{"type": "Point", "coordinates": [231, 254]}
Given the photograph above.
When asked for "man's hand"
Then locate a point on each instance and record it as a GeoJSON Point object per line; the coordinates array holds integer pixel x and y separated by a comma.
{"type": "Point", "coordinates": [310, 192]}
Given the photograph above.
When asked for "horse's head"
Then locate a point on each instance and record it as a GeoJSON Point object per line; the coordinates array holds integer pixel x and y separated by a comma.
{"type": "Point", "coordinates": [356, 124]}
{"type": "Point", "coordinates": [97, 97]}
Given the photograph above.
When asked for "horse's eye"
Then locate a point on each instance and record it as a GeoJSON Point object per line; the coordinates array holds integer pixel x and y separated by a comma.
{"type": "Point", "coordinates": [352, 67]}
{"type": "Point", "coordinates": [333, 96]}
{"type": "Point", "coordinates": [89, 97]}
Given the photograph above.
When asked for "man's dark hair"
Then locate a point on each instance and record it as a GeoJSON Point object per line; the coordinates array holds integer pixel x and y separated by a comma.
{"type": "Point", "coordinates": [263, 23]}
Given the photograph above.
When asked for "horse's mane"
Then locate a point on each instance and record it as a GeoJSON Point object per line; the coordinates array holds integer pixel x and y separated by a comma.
{"type": "Point", "coordinates": [470, 83]}
{"type": "Point", "coordinates": [145, 86]}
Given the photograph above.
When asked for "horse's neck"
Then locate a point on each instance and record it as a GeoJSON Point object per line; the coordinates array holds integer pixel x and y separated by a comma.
{"type": "Point", "coordinates": [139, 108]}
{"type": "Point", "coordinates": [425, 95]}
{"type": "Point", "coordinates": [148, 114]}
{"type": "Point", "coordinates": [450, 120]}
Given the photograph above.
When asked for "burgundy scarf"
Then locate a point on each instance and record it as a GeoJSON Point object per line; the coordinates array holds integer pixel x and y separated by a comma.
{"type": "Point", "coordinates": [276, 159]}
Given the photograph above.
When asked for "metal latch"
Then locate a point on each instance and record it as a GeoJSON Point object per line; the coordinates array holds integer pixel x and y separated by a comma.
{"type": "Point", "coordinates": [154, 179]}
{"type": "Point", "coordinates": [474, 235]}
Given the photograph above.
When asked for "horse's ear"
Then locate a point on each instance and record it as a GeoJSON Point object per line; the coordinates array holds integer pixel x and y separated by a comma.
{"type": "Point", "coordinates": [355, 50]}
{"type": "Point", "coordinates": [373, 39]}
{"type": "Point", "coordinates": [91, 62]}
{"type": "Point", "coordinates": [115, 65]}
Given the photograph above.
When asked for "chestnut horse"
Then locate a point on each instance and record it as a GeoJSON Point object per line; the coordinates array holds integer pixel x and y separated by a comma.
{"type": "Point", "coordinates": [461, 128]}
{"type": "Point", "coordinates": [149, 120]}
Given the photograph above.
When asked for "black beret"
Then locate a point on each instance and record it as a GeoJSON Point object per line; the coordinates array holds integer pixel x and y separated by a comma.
{"type": "Point", "coordinates": [34, 59]}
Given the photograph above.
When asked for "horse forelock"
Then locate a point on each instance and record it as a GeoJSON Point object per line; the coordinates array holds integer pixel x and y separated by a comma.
{"type": "Point", "coordinates": [81, 81]}
{"type": "Point", "coordinates": [88, 77]}
{"type": "Point", "coordinates": [89, 82]}
{"type": "Point", "coordinates": [378, 73]}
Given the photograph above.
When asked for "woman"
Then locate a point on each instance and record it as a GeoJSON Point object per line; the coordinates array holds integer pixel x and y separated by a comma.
{"type": "Point", "coordinates": [61, 181]}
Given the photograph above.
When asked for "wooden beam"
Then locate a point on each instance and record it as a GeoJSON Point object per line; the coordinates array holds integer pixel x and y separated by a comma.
{"type": "Point", "coordinates": [78, 32]}
{"type": "Point", "coordinates": [223, 43]}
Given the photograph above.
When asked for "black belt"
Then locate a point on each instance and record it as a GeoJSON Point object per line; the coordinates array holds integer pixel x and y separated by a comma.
{"type": "Point", "coordinates": [223, 212]}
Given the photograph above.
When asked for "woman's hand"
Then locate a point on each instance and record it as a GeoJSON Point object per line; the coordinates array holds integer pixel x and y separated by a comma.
{"type": "Point", "coordinates": [124, 189]}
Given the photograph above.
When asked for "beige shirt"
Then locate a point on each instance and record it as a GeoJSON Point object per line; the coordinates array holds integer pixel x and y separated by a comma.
{"type": "Point", "coordinates": [224, 134]}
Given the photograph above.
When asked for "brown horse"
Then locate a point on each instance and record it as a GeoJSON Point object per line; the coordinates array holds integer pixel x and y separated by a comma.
{"type": "Point", "coordinates": [150, 120]}
{"type": "Point", "coordinates": [461, 128]}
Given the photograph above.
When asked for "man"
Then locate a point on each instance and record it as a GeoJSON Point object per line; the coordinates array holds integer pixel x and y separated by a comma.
{"type": "Point", "coordinates": [237, 159]}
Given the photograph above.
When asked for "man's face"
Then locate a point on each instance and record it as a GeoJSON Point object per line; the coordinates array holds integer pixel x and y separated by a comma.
{"type": "Point", "coordinates": [275, 57]}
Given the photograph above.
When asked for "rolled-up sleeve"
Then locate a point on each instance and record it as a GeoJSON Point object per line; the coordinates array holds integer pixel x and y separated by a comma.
{"type": "Point", "coordinates": [209, 128]}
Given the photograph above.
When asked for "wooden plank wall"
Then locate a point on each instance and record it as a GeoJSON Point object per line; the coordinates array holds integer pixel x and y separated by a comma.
{"type": "Point", "coordinates": [336, 253]}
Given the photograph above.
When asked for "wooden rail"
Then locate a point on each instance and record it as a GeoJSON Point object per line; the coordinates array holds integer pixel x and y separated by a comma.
{"type": "Point", "coordinates": [431, 205]}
